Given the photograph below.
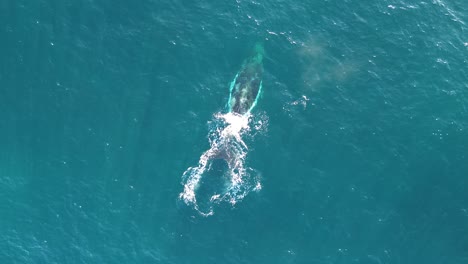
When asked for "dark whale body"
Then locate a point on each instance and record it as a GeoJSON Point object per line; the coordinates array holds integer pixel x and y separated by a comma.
{"type": "Point", "coordinates": [246, 87]}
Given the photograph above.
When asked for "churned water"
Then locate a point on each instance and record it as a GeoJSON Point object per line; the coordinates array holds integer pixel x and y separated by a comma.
{"type": "Point", "coordinates": [356, 151]}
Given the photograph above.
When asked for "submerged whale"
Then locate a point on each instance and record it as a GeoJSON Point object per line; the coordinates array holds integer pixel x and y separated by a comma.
{"type": "Point", "coordinates": [246, 87]}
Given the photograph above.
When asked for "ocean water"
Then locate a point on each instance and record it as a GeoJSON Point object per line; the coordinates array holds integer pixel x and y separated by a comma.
{"type": "Point", "coordinates": [361, 155]}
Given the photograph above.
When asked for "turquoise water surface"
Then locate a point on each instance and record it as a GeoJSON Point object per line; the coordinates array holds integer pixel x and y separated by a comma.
{"type": "Point", "coordinates": [355, 153]}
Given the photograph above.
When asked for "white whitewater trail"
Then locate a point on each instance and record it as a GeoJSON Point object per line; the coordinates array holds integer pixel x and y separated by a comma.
{"type": "Point", "coordinates": [226, 144]}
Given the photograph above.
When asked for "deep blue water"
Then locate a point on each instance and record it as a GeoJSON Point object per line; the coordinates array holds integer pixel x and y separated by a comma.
{"type": "Point", "coordinates": [105, 104]}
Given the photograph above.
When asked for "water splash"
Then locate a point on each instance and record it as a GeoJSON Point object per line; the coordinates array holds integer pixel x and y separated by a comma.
{"type": "Point", "coordinates": [221, 173]}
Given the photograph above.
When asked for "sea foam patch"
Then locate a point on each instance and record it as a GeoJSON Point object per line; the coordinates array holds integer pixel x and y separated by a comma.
{"type": "Point", "coordinates": [221, 174]}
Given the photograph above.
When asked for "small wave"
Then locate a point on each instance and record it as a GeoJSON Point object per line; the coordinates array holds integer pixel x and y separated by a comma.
{"type": "Point", "coordinates": [221, 173]}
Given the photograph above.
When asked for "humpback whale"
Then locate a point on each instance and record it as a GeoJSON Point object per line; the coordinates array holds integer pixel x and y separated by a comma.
{"type": "Point", "coordinates": [226, 144]}
{"type": "Point", "coordinates": [246, 87]}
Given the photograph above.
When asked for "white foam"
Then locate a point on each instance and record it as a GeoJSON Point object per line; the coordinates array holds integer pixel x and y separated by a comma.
{"type": "Point", "coordinates": [225, 142]}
